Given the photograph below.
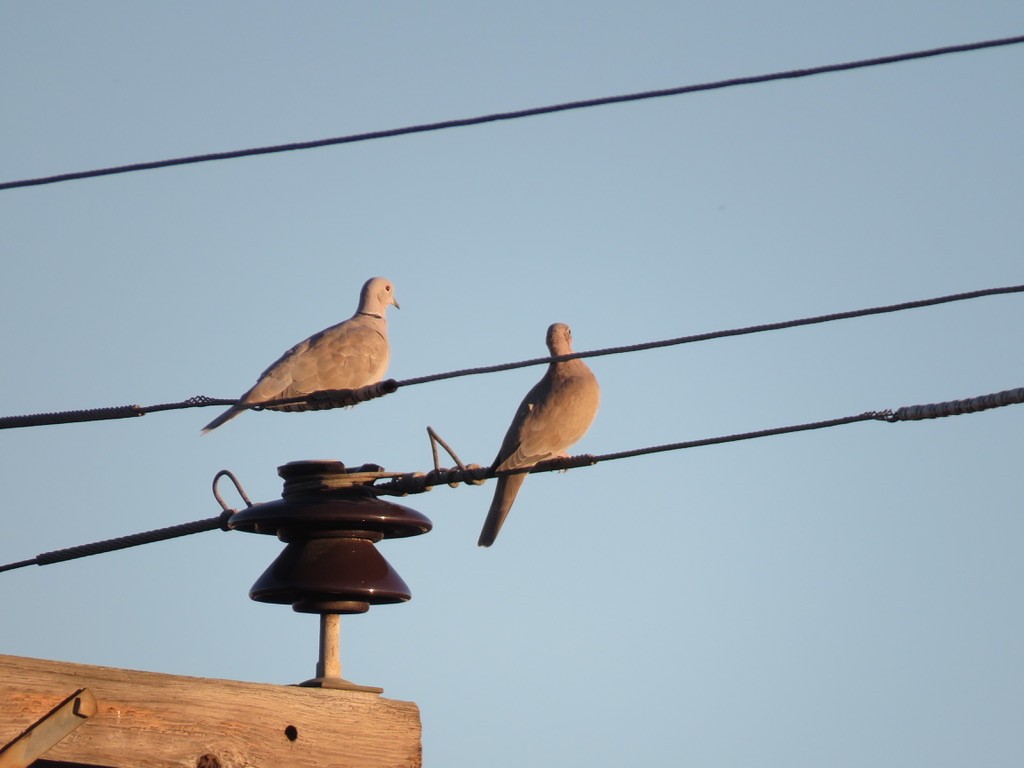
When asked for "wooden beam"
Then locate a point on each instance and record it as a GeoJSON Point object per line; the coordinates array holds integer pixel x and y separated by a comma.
{"type": "Point", "coordinates": [150, 720]}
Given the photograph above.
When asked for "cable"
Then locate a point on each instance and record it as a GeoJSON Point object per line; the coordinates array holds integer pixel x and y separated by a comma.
{"type": "Point", "coordinates": [402, 485]}
{"type": "Point", "coordinates": [419, 482]}
{"type": "Point", "coordinates": [958, 407]}
{"type": "Point", "coordinates": [720, 334]}
{"type": "Point", "coordinates": [124, 542]}
{"type": "Point", "coordinates": [338, 398]}
{"type": "Point", "coordinates": [517, 114]}
{"type": "Point", "coordinates": [315, 401]}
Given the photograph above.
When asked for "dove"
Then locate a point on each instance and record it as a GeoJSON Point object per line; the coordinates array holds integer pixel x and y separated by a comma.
{"type": "Point", "coordinates": [555, 414]}
{"type": "Point", "coordinates": [348, 355]}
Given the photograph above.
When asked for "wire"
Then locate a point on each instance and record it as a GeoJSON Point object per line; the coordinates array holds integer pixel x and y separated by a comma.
{"type": "Point", "coordinates": [124, 542]}
{"type": "Point", "coordinates": [327, 399]}
{"type": "Point", "coordinates": [517, 114]}
{"type": "Point", "coordinates": [402, 485]}
{"type": "Point", "coordinates": [419, 482]}
{"type": "Point", "coordinates": [721, 334]}
{"type": "Point", "coordinates": [315, 401]}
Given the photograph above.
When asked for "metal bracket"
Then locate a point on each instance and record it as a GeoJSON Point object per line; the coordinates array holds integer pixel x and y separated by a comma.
{"type": "Point", "coordinates": [435, 440]}
{"type": "Point", "coordinates": [49, 730]}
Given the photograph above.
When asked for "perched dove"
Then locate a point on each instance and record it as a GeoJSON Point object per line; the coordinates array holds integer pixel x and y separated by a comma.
{"type": "Point", "coordinates": [345, 356]}
{"type": "Point", "coordinates": [554, 414]}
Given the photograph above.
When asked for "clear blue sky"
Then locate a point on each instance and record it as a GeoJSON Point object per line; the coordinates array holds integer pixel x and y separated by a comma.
{"type": "Point", "coordinates": [847, 597]}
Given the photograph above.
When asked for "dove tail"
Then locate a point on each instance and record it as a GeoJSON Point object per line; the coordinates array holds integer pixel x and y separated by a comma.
{"type": "Point", "coordinates": [228, 415]}
{"type": "Point", "coordinates": [504, 495]}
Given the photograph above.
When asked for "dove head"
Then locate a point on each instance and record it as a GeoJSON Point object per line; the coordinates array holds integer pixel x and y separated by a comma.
{"type": "Point", "coordinates": [377, 294]}
{"type": "Point", "coordinates": [559, 339]}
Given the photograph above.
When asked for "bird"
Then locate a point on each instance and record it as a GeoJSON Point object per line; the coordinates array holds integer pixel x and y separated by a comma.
{"type": "Point", "coordinates": [554, 415]}
{"type": "Point", "coordinates": [348, 355]}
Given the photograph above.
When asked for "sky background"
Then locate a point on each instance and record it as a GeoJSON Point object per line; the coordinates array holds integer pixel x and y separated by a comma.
{"type": "Point", "coordinates": [845, 597]}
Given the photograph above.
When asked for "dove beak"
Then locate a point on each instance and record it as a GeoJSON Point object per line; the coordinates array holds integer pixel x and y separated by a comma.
{"type": "Point", "coordinates": [395, 302]}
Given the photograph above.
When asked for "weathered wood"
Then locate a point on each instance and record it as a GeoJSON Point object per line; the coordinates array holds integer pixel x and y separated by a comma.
{"type": "Point", "coordinates": [150, 720]}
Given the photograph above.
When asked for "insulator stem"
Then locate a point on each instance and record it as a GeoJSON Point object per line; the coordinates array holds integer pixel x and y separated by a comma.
{"type": "Point", "coordinates": [329, 664]}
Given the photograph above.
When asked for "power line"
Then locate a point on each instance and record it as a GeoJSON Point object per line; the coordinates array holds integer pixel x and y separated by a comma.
{"type": "Point", "coordinates": [517, 114]}
{"type": "Point", "coordinates": [124, 542]}
{"type": "Point", "coordinates": [817, 319]}
{"type": "Point", "coordinates": [340, 398]}
{"type": "Point", "coordinates": [315, 401]}
{"type": "Point", "coordinates": [402, 484]}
